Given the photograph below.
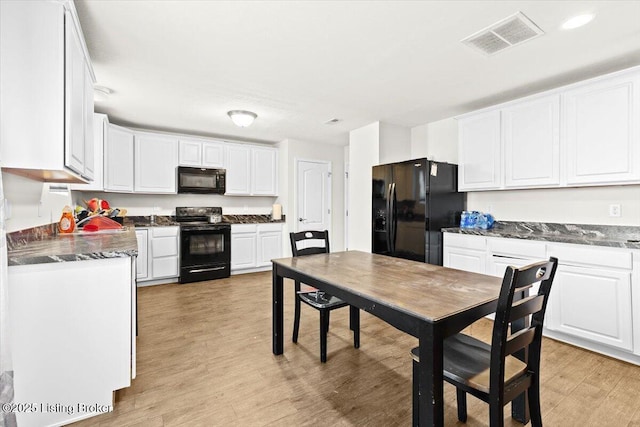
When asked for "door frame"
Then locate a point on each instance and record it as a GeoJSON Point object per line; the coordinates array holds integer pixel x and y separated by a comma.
{"type": "Point", "coordinates": [297, 161]}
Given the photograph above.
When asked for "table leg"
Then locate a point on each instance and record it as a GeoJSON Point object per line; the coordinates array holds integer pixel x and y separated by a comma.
{"type": "Point", "coordinates": [354, 324]}
{"type": "Point", "coordinates": [278, 312]}
{"type": "Point", "coordinates": [430, 376]}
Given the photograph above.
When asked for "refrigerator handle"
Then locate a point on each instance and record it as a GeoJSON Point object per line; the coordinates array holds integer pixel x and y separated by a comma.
{"type": "Point", "coordinates": [394, 222]}
{"type": "Point", "coordinates": [387, 225]}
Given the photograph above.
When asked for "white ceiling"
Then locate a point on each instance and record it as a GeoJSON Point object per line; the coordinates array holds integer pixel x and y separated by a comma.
{"type": "Point", "coordinates": [181, 65]}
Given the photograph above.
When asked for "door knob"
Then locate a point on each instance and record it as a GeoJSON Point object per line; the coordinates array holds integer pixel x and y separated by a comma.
{"type": "Point", "coordinates": [302, 219]}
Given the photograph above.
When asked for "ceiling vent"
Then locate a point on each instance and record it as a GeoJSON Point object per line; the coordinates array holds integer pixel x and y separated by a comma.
{"type": "Point", "coordinates": [510, 31]}
{"type": "Point", "coordinates": [331, 121]}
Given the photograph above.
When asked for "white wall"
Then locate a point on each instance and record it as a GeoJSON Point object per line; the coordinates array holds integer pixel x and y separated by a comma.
{"type": "Point", "coordinates": [292, 150]}
{"type": "Point", "coordinates": [363, 154]}
{"type": "Point", "coordinates": [394, 143]}
{"type": "Point", "coordinates": [585, 205]}
{"type": "Point", "coordinates": [165, 204]}
{"type": "Point", "coordinates": [31, 203]}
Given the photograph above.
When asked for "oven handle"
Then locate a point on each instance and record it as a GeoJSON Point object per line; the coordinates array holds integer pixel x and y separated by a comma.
{"type": "Point", "coordinates": [202, 270]}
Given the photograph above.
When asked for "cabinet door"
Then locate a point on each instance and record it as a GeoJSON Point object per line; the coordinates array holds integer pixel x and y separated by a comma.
{"type": "Point", "coordinates": [479, 152]}
{"type": "Point", "coordinates": [269, 247]}
{"type": "Point", "coordinates": [243, 250]}
{"type": "Point", "coordinates": [264, 171]}
{"type": "Point", "coordinates": [238, 170]}
{"type": "Point", "coordinates": [89, 140]}
{"type": "Point", "coordinates": [465, 259]}
{"type": "Point", "coordinates": [213, 154]}
{"type": "Point", "coordinates": [601, 130]}
{"type": "Point", "coordinates": [74, 99]}
{"type": "Point", "coordinates": [118, 159]}
{"type": "Point", "coordinates": [592, 303]}
{"type": "Point", "coordinates": [156, 160]}
{"type": "Point", "coordinates": [531, 135]}
{"type": "Point", "coordinates": [99, 123]}
{"type": "Point", "coordinates": [141, 260]}
{"type": "Point", "coordinates": [190, 153]}
{"type": "Point", "coordinates": [164, 252]}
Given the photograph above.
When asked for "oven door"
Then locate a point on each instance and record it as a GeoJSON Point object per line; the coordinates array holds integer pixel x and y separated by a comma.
{"type": "Point", "coordinates": [205, 253]}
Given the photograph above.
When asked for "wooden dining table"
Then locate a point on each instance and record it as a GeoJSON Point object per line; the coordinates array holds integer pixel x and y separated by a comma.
{"type": "Point", "coordinates": [426, 301]}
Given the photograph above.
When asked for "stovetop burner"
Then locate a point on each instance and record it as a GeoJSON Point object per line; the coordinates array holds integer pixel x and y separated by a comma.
{"type": "Point", "coordinates": [198, 215]}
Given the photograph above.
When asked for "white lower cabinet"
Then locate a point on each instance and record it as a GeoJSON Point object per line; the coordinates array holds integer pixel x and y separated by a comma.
{"type": "Point", "coordinates": [158, 256]}
{"type": "Point", "coordinates": [591, 296]}
{"type": "Point", "coordinates": [464, 252]}
{"type": "Point", "coordinates": [269, 243]}
{"type": "Point", "coordinates": [594, 295]}
{"type": "Point", "coordinates": [253, 246]}
{"type": "Point", "coordinates": [76, 337]}
{"type": "Point", "coordinates": [142, 272]}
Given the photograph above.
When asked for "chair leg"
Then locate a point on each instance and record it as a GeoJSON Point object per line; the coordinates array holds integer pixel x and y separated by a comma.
{"type": "Point", "coordinates": [462, 405]}
{"type": "Point", "coordinates": [354, 325]}
{"type": "Point", "coordinates": [496, 414]}
{"type": "Point", "coordinates": [296, 314]}
{"type": "Point", "coordinates": [534, 403]}
{"type": "Point", "coordinates": [415, 397]}
{"type": "Point", "coordinates": [324, 321]}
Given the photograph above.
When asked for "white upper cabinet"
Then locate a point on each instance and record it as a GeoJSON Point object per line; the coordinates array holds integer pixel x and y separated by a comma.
{"type": "Point", "coordinates": [156, 159]}
{"type": "Point", "coordinates": [45, 77]}
{"type": "Point", "coordinates": [201, 153]}
{"type": "Point", "coordinates": [586, 133]}
{"type": "Point", "coordinates": [479, 152]}
{"type": "Point", "coordinates": [264, 178]}
{"type": "Point", "coordinates": [74, 99]}
{"type": "Point", "coordinates": [99, 124]}
{"type": "Point", "coordinates": [601, 131]}
{"type": "Point", "coordinates": [91, 161]}
{"type": "Point", "coordinates": [531, 137]}
{"type": "Point", "coordinates": [238, 170]}
{"type": "Point", "coordinates": [118, 159]}
{"type": "Point", "coordinates": [251, 170]}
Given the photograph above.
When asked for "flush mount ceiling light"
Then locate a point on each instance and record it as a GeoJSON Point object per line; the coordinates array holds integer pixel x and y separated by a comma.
{"type": "Point", "coordinates": [242, 118]}
{"type": "Point", "coordinates": [577, 21]}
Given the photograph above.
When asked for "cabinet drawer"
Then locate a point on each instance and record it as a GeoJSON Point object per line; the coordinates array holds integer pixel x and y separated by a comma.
{"type": "Point", "coordinates": [244, 228]}
{"type": "Point", "coordinates": [164, 231]}
{"type": "Point", "coordinates": [269, 227]}
{"type": "Point", "coordinates": [465, 241]}
{"type": "Point", "coordinates": [517, 248]}
{"type": "Point", "coordinates": [577, 254]}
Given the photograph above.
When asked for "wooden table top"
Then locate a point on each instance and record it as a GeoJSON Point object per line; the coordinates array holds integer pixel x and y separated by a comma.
{"type": "Point", "coordinates": [427, 291]}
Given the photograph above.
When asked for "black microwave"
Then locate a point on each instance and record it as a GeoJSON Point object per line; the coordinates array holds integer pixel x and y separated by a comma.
{"type": "Point", "coordinates": [201, 180]}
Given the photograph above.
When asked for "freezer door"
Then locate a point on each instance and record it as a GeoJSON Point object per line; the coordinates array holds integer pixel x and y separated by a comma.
{"type": "Point", "coordinates": [380, 224]}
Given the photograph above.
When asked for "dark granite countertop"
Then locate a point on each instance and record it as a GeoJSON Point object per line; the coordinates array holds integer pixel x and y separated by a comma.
{"type": "Point", "coordinates": [167, 221]}
{"type": "Point", "coordinates": [41, 245]}
{"type": "Point", "coordinates": [583, 234]}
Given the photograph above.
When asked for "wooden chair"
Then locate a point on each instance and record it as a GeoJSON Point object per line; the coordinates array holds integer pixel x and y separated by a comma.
{"type": "Point", "coordinates": [490, 372]}
{"type": "Point", "coordinates": [315, 298]}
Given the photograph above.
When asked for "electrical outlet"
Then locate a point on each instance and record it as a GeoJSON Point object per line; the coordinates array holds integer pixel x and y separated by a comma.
{"type": "Point", "coordinates": [614, 210]}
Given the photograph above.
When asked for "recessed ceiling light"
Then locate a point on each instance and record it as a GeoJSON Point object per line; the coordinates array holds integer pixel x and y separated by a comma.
{"type": "Point", "coordinates": [577, 21]}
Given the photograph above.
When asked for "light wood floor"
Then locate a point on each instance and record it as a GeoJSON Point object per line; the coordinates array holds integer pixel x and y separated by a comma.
{"type": "Point", "coordinates": [204, 359]}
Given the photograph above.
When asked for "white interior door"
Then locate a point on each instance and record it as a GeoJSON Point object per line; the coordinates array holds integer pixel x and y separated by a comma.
{"type": "Point", "coordinates": [313, 205]}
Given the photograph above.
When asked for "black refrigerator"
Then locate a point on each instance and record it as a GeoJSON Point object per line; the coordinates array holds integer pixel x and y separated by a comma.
{"type": "Point", "coordinates": [412, 202]}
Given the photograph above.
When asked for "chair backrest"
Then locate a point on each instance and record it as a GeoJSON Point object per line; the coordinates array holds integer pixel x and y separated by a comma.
{"type": "Point", "coordinates": [313, 242]}
{"type": "Point", "coordinates": [505, 343]}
